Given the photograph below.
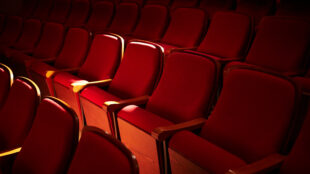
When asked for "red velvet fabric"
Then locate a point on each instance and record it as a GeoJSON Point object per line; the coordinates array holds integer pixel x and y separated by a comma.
{"type": "Point", "coordinates": [100, 17]}
{"type": "Point", "coordinates": [152, 22]}
{"type": "Point", "coordinates": [78, 13]}
{"type": "Point", "coordinates": [17, 114]}
{"type": "Point", "coordinates": [185, 27]}
{"type": "Point", "coordinates": [204, 153]}
{"type": "Point", "coordinates": [213, 6]}
{"type": "Point", "coordinates": [125, 18]}
{"type": "Point", "coordinates": [60, 11]}
{"type": "Point", "coordinates": [281, 44]}
{"type": "Point", "coordinates": [185, 89]}
{"type": "Point", "coordinates": [51, 142]}
{"type": "Point", "coordinates": [42, 10]}
{"type": "Point", "coordinates": [228, 35]}
{"type": "Point", "coordinates": [97, 154]}
{"type": "Point", "coordinates": [243, 120]}
{"type": "Point", "coordinates": [97, 96]}
{"type": "Point", "coordinates": [138, 72]}
{"type": "Point", "coordinates": [5, 81]}
{"type": "Point", "coordinates": [11, 30]}
{"type": "Point", "coordinates": [142, 119]}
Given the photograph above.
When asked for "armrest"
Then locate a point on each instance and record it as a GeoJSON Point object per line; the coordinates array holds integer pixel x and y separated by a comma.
{"type": "Point", "coordinates": [112, 106]}
{"type": "Point", "coordinates": [181, 49]}
{"type": "Point", "coordinates": [51, 73]}
{"type": "Point", "coordinates": [80, 85]}
{"type": "Point", "coordinates": [162, 133]}
{"type": "Point", "coordinates": [269, 163]}
{"type": "Point", "coordinates": [10, 152]}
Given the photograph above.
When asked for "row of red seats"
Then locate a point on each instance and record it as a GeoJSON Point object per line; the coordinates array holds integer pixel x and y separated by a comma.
{"type": "Point", "coordinates": [42, 136]}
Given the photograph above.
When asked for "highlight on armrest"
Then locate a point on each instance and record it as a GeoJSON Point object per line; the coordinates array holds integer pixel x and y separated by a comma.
{"type": "Point", "coordinates": [112, 106]}
{"type": "Point", "coordinates": [51, 73]}
{"type": "Point", "coordinates": [80, 85]}
{"type": "Point", "coordinates": [162, 133]}
{"type": "Point", "coordinates": [10, 152]}
{"type": "Point", "coordinates": [267, 164]}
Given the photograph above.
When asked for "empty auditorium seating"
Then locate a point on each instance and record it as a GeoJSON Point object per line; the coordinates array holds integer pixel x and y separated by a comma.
{"type": "Point", "coordinates": [28, 7]}
{"type": "Point", "coordinates": [101, 63]}
{"type": "Point", "coordinates": [51, 142]}
{"type": "Point", "coordinates": [17, 114]}
{"type": "Point", "coordinates": [43, 9]}
{"type": "Point", "coordinates": [78, 13]}
{"type": "Point", "coordinates": [299, 9]}
{"type": "Point", "coordinates": [185, 28]}
{"type": "Point", "coordinates": [100, 17]}
{"type": "Point", "coordinates": [98, 152]}
{"type": "Point", "coordinates": [281, 44]}
{"type": "Point", "coordinates": [6, 81]}
{"type": "Point", "coordinates": [183, 3]}
{"type": "Point", "coordinates": [136, 76]}
{"type": "Point", "coordinates": [13, 27]}
{"type": "Point", "coordinates": [60, 11]}
{"type": "Point", "coordinates": [212, 6]}
{"type": "Point", "coordinates": [70, 58]}
{"type": "Point", "coordinates": [241, 129]}
{"type": "Point", "coordinates": [185, 92]}
{"type": "Point", "coordinates": [125, 18]}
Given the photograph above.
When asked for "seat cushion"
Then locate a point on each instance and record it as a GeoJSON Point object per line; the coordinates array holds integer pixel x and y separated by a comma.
{"type": "Point", "coordinates": [205, 154]}
{"type": "Point", "coordinates": [41, 67]}
{"type": "Point", "coordinates": [97, 95]}
{"type": "Point", "coordinates": [142, 119]}
{"type": "Point", "coordinates": [65, 79]}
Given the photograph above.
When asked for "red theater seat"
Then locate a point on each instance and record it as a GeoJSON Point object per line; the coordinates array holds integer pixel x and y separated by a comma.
{"type": "Point", "coordinates": [6, 81]}
{"type": "Point", "coordinates": [101, 63]}
{"type": "Point", "coordinates": [136, 76]}
{"type": "Point", "coordinates": [78, 14]}
{"type": "Point", "coordinates": [281, 45]}
{"type": "Point", "coordinates": [185, 92]}
{"type": "Point", "coordinates": [212, 6]}
{"type": "Point", "coordinates": [43, 9]}
{"type": "Point", "coordinates": [51, 142]}
{"type": "Point", "coordinates": [241, 129]}
{"type": "Point", "coordinates": [12, 29]}
{"type": "Point", "coordinates": [70, 58]}
{"type": "Point", "coordinates": [139, 2]}
{"type": "Point", "coordinates": [60, 11]}
{"type": "Point", "coordinates": [98, 152]}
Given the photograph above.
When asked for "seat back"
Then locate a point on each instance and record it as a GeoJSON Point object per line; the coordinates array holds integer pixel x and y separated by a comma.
{"type": "Point", "coordinates": [30, 35]}
{"type": "Point", "coordinates": [185, 28]}
{"type": "Point", "coordinates": [52, 140]}
{"type": "Point", "coordinates": [281, 44]}
{"type": "Point", "coordinates": [183, 3]}
{"type": "Point", "coordinates": [18, 113]}
{"type": "Point", "coordinates": [139, 2]}
{"type": "Point", "coordinates": [6, 81]}
{"type": "Point", "coordinates": [78, 14]}
{"type": "Point", "coordinates": [228, 35]}
{"type": "Point", "coordinates": [212, 6]}
{"type": "Point", "coordinates": [60, 11]}
{"type": "Point", "coordinates": [152, 22]}
{"type": "Point", "coordinates": [103, 58]}
{"type": "Point", "coordinates": [50, 41]}
{"type": "Point", "coordinates": [98, 151]}
{"type": "Point", "coordinates": [100, 17]}
{"type": "Point", "coordinates": [186, 89]}
{"type": "Point", "coordinates": [125, 18]}
{"type": "Point", "coordinates": [243, 119]}
{"type": "Point", "coordinates": [139, 70]}
{"type": "Point", "coordinates": [74, 49]}
{"type": "Point", "coordinates": [43, 9]}
{"type": "Point", "coordinates": [28, 7]}
{"type": "Point", "coordinates": [11, 30]}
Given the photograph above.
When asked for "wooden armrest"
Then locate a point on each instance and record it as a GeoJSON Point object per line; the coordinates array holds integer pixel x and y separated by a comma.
{"type": "Point", "coordinates": [10, 152]}
{"type": "Point", "coordinates": [162, 133]}
{"type": "Point", "coordinates": [112, 106]}
{"type": "Point", "coordinates": [51, 73]}
{"type": "Point", "coordinates": [80, 85]}
{"type": "Point", "coordinates": [267, 164]}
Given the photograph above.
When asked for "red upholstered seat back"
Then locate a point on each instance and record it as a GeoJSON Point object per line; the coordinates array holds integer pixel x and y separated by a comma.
{"type": "Point", "coordinates": [74, 49]}
{"type": "Point", "coordinates": [51, 142]}
{"type": "Point", "coordinates": [228, 36]}
{"type": "Point", "coordinates": [101, 16]}
{"type": "Point", "coordinates": [79, 13]}
{"type": "Point", "coordinates": [152, 22]}
{"type": "Point", "coordinates": [185, 27]}
{"type": "Point", "coordinates": [50, 41]}
{"type": "Point", "coordinates": [212, 6]}
{"type": "Point", "coordinates": [103, 58]}
{"type": "Point", "coordinates": [60, 11]}
{"type": "Point", "coordinates": [43, 9]}
{"type": "Point", "coordinates": [28, 7]}
{"type": "Point", "coordinates": [125, 18]}
{"type": "Point", "coordinates": [98, 152]}
{"type": "Point", "coordinates": [138, 71]}
{"type": "Point", "coordinates": [11, 30]}
{"type": "Point", "coordinates": [186, 87]}
{"type": "Point", "coordinates": [281, 44]}
{"type": "Point", "coordinates": [243, 120]}
{"type": "Point", "coordinates": [18, 113]}
{"type": "Point", "coordinates": [6, 80]}
{"type": "Point", "coordinates": [30, 35]}
{"type": "Point", "coordinates": [139, 2]}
